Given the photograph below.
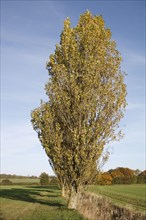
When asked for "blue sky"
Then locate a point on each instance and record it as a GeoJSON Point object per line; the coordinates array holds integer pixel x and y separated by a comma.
{"type": "Point", "coordinates": [29, 32]}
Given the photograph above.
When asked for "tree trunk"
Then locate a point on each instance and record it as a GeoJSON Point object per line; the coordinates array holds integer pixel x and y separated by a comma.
{"type": "Point", "coordinates": [73, 199]}
{"type": "Point", "coordinates": [65, 192]}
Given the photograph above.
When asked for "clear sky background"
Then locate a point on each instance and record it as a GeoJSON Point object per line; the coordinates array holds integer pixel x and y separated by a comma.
{"type": "Point", "coordinates": [29, 32]}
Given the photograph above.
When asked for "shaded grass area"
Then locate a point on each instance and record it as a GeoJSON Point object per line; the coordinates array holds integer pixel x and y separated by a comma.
{"type": "Point", "coordinates": [132, 196]}
{"type": "Point", "coordinates": [34, 203]}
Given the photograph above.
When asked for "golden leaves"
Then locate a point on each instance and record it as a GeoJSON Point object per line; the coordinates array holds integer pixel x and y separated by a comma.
{"type": "Point", "coordinates": [86, 94]}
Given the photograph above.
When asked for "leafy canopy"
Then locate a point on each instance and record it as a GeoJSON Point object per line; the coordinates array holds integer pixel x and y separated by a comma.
{"type": "Point", "coordinates": [86, 100]}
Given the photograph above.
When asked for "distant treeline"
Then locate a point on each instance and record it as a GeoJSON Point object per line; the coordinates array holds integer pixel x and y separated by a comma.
{"type": "Point", "coordinates": [10, 176]}
{"type": "Point", "coordinates": [8, 179]}
{"type": "Point", "coordinates": [120, 175]}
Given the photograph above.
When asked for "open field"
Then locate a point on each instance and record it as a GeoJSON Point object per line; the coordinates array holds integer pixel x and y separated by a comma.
{"type": "Point", "coordinates": [23, 181]}
{"type": "Point", "coordinates": [132, 196]}
{"type": "Point", "coordinates": [45, 203]}
{"type": "Point", "coordinates": [34, 203]}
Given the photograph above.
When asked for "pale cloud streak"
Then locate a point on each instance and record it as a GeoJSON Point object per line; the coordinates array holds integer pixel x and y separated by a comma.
{"type": "Point", "coordinates": [21, 150]}
{"type": "Point", "coordinates": [138, 58]}
{"type": "Point", "coordinates": [18, 138]}
{"type": "Point", "coordinates": [133, 56]}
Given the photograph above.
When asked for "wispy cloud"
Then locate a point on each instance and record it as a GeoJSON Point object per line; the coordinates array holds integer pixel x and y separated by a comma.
{"type": "Point", "coordinates": [18, 139]}
{"type": "Point", "coordinates": [138, 58]}
{"type": "Point", "coordinates": [133, 56]}
{"type": "Point", "coordinates": [23, 42]}
{"type": "Point", "coordinates": [21, 151]}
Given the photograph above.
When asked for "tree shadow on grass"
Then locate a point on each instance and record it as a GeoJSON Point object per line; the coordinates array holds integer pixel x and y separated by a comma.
{"type": "Point", "coordinates": [31, 194]}
{"type": "Point", "coordinates": [49, 187]}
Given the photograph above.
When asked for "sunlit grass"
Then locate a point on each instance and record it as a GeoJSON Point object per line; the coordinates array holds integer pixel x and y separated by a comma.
{"type": "Point", "coordinates": [133, 195]}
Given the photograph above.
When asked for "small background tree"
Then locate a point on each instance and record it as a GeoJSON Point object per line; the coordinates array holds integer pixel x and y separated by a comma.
{"type": "Point", "coordinates": [44, 179]}
{"type": "Point", "coordinates": [6, 182]}
{"type": "Point", "coordinates": [105, 179]}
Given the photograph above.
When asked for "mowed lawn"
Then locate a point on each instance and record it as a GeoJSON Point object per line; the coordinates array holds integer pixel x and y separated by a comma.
{"type": "Point", "coordinates": [34, 203]}
{"type": "Point", "coordinates": [132, 196]}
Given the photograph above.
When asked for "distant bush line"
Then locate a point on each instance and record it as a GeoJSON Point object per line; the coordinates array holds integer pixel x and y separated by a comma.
{"type": "Point", "coordinates": [120, 175]}
{"type": "Point", "coordinates": [16, 180]}
{"type": "Point", "coordinates": [13, 176]}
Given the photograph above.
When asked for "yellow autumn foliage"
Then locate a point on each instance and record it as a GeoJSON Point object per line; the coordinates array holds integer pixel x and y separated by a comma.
{"type": "Point", "coordinates": [86, 100]}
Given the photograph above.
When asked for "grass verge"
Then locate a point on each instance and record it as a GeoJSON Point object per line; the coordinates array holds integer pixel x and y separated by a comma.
{"type": "Point", "coordinates": [132, 196]}
{"type": "Point", "coordinates": [34, 203]}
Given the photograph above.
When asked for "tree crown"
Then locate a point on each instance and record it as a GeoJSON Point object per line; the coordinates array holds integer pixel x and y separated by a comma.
{"type": "Point", "coordinates": [86, 92]}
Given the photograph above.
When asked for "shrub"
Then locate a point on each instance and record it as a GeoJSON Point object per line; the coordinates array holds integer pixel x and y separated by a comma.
{"type": "Point", "coordinates": [105, 179]}
{"type": "Point", "coordinates": [123, 175]}
{"type": "Point", "coordinates": [44, 179]}
{"type": "Point", "coordinates": [6, 182]}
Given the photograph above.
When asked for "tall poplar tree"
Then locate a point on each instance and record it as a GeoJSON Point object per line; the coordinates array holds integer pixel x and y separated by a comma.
{"type": "Point", "coordinates": [86, 100]}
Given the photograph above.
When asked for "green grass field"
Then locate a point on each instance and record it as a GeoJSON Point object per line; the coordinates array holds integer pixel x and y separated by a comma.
{"type": "Point", "coordinates": [132, 196]}
{"type": "Point", "coordinates": [45, 203]}
{"type": "Point", "coordinates": [34, 203]}
{"type": "Point", "coordinates": [23, 181]}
